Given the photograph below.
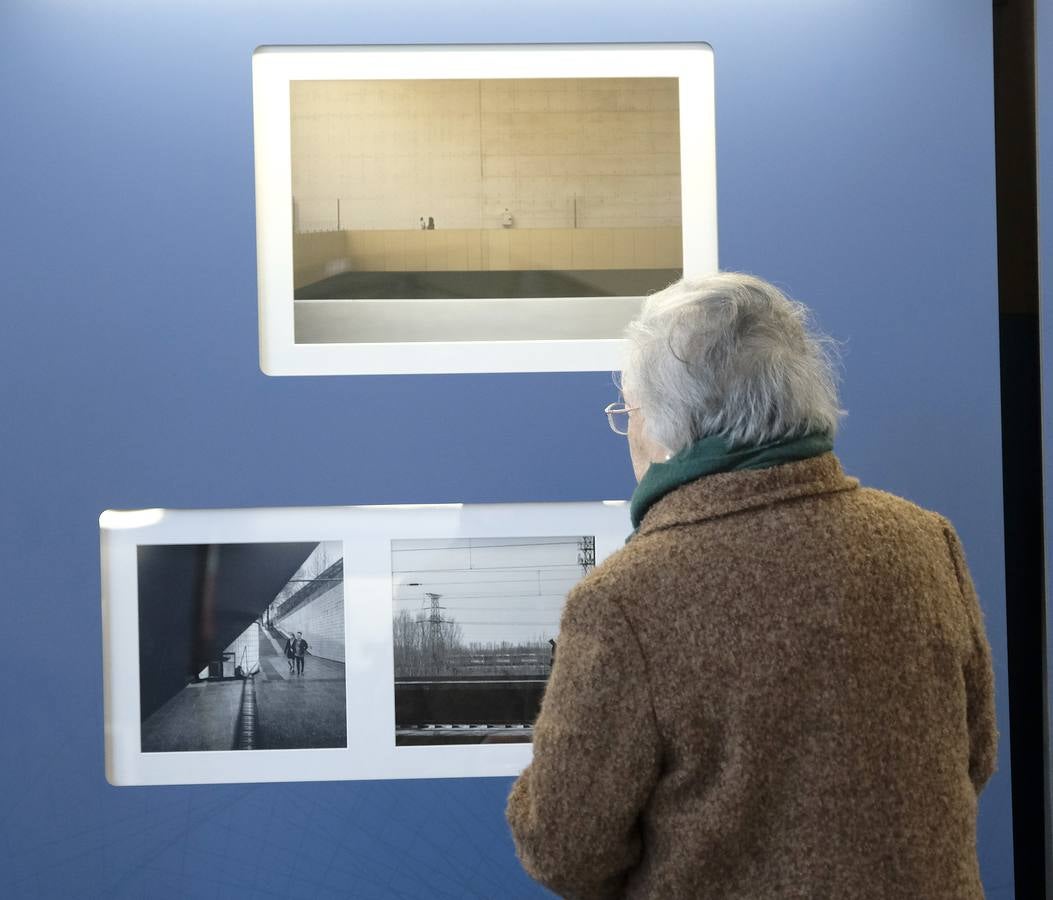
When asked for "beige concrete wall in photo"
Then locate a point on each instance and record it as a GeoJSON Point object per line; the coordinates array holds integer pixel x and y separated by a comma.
{"type": "Point", "coordinates": [319, 255]}
{"type": "Point", "coordinates": [557, 153]}
{"type": "Point", "coordinates": [322, 622]}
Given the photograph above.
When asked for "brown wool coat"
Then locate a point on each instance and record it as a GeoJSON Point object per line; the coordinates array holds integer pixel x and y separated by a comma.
{"type": "Point", "coordinates": [781, 687]}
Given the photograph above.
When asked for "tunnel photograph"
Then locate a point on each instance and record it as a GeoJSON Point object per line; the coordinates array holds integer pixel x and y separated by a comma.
{"type": "Point", "coordinates": [241, 646]}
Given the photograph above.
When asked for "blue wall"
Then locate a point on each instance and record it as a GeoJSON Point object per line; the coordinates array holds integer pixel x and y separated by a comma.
{"type": "Point", "coordinates": [855, 154]}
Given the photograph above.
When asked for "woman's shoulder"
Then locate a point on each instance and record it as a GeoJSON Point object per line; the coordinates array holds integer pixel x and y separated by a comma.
{"type": "Point", "coordinates": [622, 574]}
{"type": "Point", "coordinates": [886, 510]}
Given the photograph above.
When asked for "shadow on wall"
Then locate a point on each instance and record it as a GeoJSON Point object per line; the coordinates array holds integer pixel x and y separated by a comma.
{"type": "Point", "coordinates": [194, 601]}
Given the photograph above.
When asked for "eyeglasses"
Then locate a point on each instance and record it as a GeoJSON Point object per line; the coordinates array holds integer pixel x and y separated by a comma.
{"type": "Point", "coordinates": [618, 416]}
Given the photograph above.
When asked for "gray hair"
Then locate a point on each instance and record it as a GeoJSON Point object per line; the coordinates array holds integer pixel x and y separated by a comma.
{"type": "Point", "coordinates": [730, 355]}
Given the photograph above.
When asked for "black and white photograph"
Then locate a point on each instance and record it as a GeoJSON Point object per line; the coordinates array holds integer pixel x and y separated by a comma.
{"type": "Point", "coordinates": [241, 646]}
{"type": "Point", "coordinates": [475, 626]}
{"type": "Point", "coordinates": [436, 188]}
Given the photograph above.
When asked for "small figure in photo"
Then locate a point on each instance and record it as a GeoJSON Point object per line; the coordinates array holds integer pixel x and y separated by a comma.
{"type": "Point", "coordinates": [290, 652]}
{"type": "Point", "coordinates": [300, 648]}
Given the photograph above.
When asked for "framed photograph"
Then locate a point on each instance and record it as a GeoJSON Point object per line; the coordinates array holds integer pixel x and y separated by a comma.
{"type": "Point", "coordinates": [474, 627]}
{"type": "Point", "coordinates": [475, 208]}
{"type": "Point", "coordinates": [335, 642]}
{"type": "Point", "coordinates": [223, 660]}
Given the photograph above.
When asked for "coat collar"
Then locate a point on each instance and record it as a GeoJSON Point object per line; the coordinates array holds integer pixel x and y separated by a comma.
{"type": "Point", "coordinates": [726, 493]}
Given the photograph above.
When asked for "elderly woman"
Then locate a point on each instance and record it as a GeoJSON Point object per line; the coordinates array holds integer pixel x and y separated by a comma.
{"type": "Point", "coordinates": [781, 686]}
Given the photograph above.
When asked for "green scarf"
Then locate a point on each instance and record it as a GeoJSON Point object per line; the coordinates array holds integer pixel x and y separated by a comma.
{"type": "Point", "coordinates": [711, 455]}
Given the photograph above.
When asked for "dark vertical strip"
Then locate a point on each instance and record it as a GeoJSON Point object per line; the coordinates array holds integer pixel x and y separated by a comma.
{"type": "Point", "coordinates": [246, 732]}
{"type": "Point", "coordinates": [1018, 293]}
{"type": "Point", "coordinates": [205, 649]}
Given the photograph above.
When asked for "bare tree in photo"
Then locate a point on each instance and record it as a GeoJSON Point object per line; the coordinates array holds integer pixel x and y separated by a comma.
{"type": "Point", "coordinates": [424, 647]}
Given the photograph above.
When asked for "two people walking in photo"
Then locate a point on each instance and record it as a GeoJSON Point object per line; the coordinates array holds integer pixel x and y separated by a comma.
{"type": "Point", "coordinates": [295, 648]}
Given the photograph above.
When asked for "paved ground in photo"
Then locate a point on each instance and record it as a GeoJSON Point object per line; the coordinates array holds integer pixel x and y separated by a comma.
{"type": "Point", "coordinates": [202, 716]}
{"type": "Point", "coordinates": [293, 711]}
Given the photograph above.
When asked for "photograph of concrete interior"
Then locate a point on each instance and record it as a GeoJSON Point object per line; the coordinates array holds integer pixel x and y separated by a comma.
{"type": "Point", "coordinates": [241, 646]}
{"type": "Point", "coordinates": [469, 190]}
{"type": "Point", "coordinates": [475, 626]}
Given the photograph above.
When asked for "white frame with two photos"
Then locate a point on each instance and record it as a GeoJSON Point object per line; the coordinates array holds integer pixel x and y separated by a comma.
{"type": "Point", "coordinates": [367, 533]}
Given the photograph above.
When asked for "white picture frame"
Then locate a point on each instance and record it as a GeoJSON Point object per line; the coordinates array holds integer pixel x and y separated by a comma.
{"type": "Point", "coordinates": [367, 534]}
{"type": "Point", "coordinates": [405, 335]}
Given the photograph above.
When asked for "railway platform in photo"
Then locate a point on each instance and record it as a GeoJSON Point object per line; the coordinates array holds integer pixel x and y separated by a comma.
{"type": "Point", "coordinates": [269, 709]}
{"type": "Point", "coordinates": [298, 710]}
